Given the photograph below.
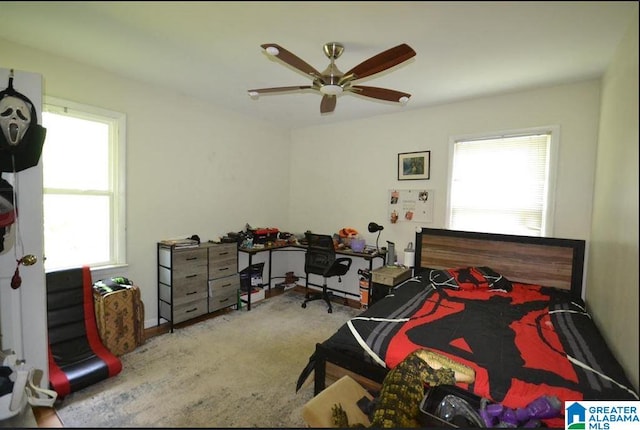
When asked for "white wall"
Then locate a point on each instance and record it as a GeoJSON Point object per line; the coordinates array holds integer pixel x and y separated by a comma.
{"type": "Point", "coordinates": [342, 173]}
{"type": "Point", "coordinates": [613, 274]}
{"type": "Point", "coordinates": [192, 168]}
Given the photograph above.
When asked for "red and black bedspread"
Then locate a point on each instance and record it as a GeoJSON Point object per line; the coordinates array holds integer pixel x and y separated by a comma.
{"type": "Point", "coordinates": [523, 340]}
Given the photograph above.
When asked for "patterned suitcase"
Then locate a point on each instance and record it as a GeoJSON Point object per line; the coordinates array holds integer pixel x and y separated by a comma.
{"type": "Point", "coordinates": [119, 314]}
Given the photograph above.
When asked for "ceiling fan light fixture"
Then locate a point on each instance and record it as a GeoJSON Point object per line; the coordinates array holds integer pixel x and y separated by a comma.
{"type": "Point", "coordinates": [331, 89]}
{"type": "Point", "coordinates": [331, 82]}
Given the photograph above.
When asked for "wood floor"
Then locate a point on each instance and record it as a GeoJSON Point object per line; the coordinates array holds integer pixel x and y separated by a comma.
{"type": "Point", "coordinates": [48, 418]}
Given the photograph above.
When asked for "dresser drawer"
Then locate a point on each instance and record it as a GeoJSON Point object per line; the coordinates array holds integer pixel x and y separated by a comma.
{"type": "Point", "coordinates": [224, 286]}
{"type": "Point", "coordinates": [183, 312]}
{"type": "Point", "coordinates": [184, 289]}
{"type": "Point", "coordinates": [188, 261]}
{"type": "Point", "coordinates": [216, 303]}
{"type": "Point", "coordinates": [188, 281]}
{"type": "Point", "coordinates": [181, 296]}
{"type": "Point", "coordinates": [223, 269]}
{"type": "Point", "coordinates": [223, 260]}
{"type": "Point", "coordinates": [189, 310]}
{"type": "Point", "coordinates": [223, 251]}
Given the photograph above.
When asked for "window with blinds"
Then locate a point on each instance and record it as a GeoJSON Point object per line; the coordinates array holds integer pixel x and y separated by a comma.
{"type": "Point", "coordinates": [502, 184]}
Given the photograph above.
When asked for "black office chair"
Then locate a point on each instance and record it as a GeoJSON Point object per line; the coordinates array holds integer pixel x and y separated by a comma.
{"type": "Point", "coordinates": [320, 259]}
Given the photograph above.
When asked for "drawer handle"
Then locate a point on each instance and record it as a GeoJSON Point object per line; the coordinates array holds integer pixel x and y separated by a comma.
{"type": "Point", "coordinates": [192, 292]}
{"type": "Point", "coordinates": [225, 285]}
{"type": "Point", "coordinates": [224, 253]}
{"type": "Point", "coordinates": [224, 268]}
{"type": "Point", "coordinates": [192, 258]}
{"type": "Point", "coordinates": [192, 310]}
{"type": "Point", "coordinates": [191, 276]}
{"type": "Point", "coordinates": [224, 300]}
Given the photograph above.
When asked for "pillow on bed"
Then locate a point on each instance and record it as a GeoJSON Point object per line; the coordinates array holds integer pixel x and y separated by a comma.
{"type": "Point", "coordinates": [470, 278]}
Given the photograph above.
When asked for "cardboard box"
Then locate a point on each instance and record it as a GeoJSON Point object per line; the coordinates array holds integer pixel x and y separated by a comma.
{"type": "Point", "coordinates": [346, 392]}
{"type": "Point", "coordinates": [390, 275]}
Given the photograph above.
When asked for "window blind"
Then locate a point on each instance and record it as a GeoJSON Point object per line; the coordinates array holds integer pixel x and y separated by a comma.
{"type": "Point", "coordinates": [500, 185]}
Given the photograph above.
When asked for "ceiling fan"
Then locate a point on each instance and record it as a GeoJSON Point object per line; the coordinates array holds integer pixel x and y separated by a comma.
{"type": "Point", "coordinates": [332, 82]}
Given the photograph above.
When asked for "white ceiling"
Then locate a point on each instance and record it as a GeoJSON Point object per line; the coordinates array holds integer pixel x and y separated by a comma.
{"type": "Point", "coordinates": [211, 50]}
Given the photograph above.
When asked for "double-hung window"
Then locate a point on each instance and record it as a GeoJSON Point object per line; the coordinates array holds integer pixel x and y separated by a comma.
{"type": "Point", "coordinates": [503, 183]}
{"type": "Point", "coordinates": [83, 162]}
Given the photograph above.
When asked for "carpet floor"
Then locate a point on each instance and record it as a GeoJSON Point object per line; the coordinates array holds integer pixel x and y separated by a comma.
{"type": "Point", "coordinates": [235, 370]}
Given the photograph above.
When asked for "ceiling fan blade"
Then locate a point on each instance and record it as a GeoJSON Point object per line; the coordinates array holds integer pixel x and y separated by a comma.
{"type": "Point", "coordinates": [258, 91]}
{"type": "Point", "coordinates": [290, 58]}
{"type": "Point", "coordinates": [328, 103]}
{"type": "Point", "coordinates": [381, 93]}
{"type": "Point", "coordinates": [383, 61]}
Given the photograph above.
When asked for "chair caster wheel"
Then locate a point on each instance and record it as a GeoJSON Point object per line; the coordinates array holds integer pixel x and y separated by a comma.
{"type": "Point", "coordinates": [330, 311]}
{"type": "Point", "coordinates": [304, 305]}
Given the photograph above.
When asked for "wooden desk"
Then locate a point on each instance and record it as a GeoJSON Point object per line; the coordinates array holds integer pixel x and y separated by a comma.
{"type": "Point", "coordinates": [298, 247]}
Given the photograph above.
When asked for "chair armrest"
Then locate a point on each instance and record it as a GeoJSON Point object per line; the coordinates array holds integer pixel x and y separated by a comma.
{"type": "Point", "coordinates": [345, 261]}
{"type": "Point", "coordinates": [339, 267]}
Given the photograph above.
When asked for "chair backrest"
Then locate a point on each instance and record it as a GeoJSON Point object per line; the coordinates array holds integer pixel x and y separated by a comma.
{"type": "Point", "coordinates": [69, 325]}
{"type": "Point", "coordinates": [320, 253]}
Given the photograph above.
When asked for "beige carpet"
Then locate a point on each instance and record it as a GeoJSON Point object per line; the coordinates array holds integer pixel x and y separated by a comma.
{"type": "Point", "coordinates": [236, 370]}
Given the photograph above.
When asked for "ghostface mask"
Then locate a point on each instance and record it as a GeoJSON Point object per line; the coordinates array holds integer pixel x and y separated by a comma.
{"type": "Point", "coordinates": [22, 137]}
{"type": "Point", "coordinates": [15, 118]}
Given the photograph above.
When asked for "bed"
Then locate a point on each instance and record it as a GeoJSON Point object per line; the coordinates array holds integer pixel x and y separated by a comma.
{"type": "Point", "coordinates": [508, 306]}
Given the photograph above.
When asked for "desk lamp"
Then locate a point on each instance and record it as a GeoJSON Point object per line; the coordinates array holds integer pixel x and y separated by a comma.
{"type": "Point", "coordinates": [373, 227]}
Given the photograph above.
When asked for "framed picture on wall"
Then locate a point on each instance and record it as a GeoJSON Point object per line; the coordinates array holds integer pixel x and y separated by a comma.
{"type": "Point", "coordinates": [414, 165]}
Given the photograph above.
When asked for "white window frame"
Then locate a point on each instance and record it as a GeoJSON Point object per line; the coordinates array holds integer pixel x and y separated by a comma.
{"type": "Point", "coordinates": [547, 229]}
{"type": "Point", "coordinates": [117, 161]}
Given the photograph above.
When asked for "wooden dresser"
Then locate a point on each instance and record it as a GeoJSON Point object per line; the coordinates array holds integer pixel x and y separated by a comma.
{"type": "Point", "coordinates": [193, 281]}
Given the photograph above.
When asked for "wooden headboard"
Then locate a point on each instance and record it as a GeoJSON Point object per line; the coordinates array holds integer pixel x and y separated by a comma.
{"type": "Point", "coordinates": [544, 261]}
